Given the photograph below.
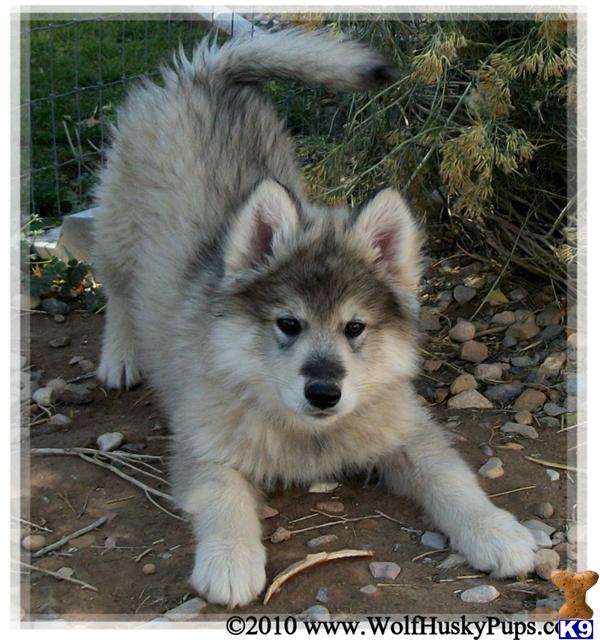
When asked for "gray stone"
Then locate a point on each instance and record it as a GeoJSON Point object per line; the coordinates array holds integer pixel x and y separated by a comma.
{"type": "Point", "coordinates": [550, 315]}
{"type": "Point", "coordinates": [462, 331]}
{"type": "Point", "coordinates": [369, 590]}
{"type": "Point", "coordinates": [389, 570]}
{"type": "Point", "coordinates": [549, 333]}
{"type": "Point", "coordinates": [549, 422]}
{"type": "Point", "coordinates": [487, 450]}
{"type": "Point", "coordinates": [509, 342]}
{"type": "Point", "coordinates": [59, 318]}
{"type": "Point", "coordinates": [87, 366]}
{"type": "Point", "coordinates": [546, 561]}
{"type": "Point", "coordinates": [323, 487]}
{"type": "Point", "coordinates": [523, 330]}
{"type": "Point", "coordinates": [543, 510]}
{"type": "Point", "coordinates": [552, 365]}
{"type": "Point", "coordinates": [493, 371]}
{"type": "Point", "coordinates": [523, 417]}
{"type": "Point", "coordinates": [540, 526]}
{"type": "Point", "coordinates": [434, 539]}
{"type": "Point", "coordinates": [110, 441]}
{"type": "Point", "coordinates": [492, 469]}
{"type": "Point", "coordinates": [58, 343]}
{"type": "Point", "coordinates": [470, 399]}
{"type": "Point", "coordinates": [572, 534]}
{"type": "Point", "coordinates": [316, 613]}
{"type": "Point", "coordinates": [553, 475]}
{"type": "Point", "coordinates": [322, 541]}
{"type": "Point", "coordinates": [322, 595]}
{"type": "Point", "coordinates": [463, 294]}
{"type": "Point", "coordinates": [59, 420]}
{"type": "Point", "coordinates": [524, 316]}
{"type": "Point", "coordinates": [453, 561]}
{"type": "Point", "coordinates": [482, 594]}
{"type": "Point", "coordinates": [553, 410]}
{"type": "Point", "coordinates": [281, 534]}
{"type": "Point", "coordinates": [77, 394]}
{"type": "Point", "coordinates": [503, 393]}
{"type": "Point", "coordinates": [464, 382]}
{"type": "Point", "coordinates": [504, 318]}
{"type": "Point", "coordinates": [474, 351]}
{"type": "Point", "coordinates": [522, 361]}
{"type": "Point", "coordinates": [516, 295]}
{"type": "Point", "coordinates": [43, 396]}
{"type": "Point", "coordinates": [524, 430]}
{"type": "Point", "coordinates": [53, 306]}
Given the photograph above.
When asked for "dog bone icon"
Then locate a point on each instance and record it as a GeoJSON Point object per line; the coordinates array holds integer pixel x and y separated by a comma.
{"type": "Point", "coordinates": [574, 586]}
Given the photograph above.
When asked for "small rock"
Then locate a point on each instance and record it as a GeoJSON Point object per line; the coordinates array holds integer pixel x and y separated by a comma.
{"type": "Point", "coordinates": [323, 487]}
{"type": "Point", "coordinates": [52, 306]}
{"type": "Point", "coordinates": [134, 447]}
{"type": "Point", "coordinates": [471, 399]}
{"type": "Point", "coordinates": [439, 395]}
{"type": "Point", "coordinates": [492, 469]}
{"type": "Point", "coordinates": [76, 394]}
{"type": "Point", "coordinates": [57, 343]}
{"type": "Point", "coordinates": [464, 382]}
{"type": "Point", "coordinates": [552, 365]}
{"type": "Point", "coordinates": [553, 410]}
{"type": "Point", "coordinates": [549, 422]}
{"type": "Point", "coordinates": [110, 441]}
{"type": "Point", "coordinates": [444, 300]}
{"type": "Point", "coordinates": [316, 613]}
{"type": "Point", "coordinates": [65, 572]}
{"type": "Point", "coordinates": [149, 569]}
{"type": "Point", "coordinates": [432, 365]}
{"type": "Point", "coordinates": [322, 595]}
{"type": "Point", "coordinates": [550, 332]}
{"type": "Point", "coordinates": [453, 561]}
{"type": "Point", "coordinates": [87, 366]}
{"type": "Point", "coordinates": [389, 570]}
{"type": "Point", "coordinates": [529, 400]}
{"type": "Point", "coordinates": [463, 294]}
{"type": "Point", "coordinates": [540, 526]}
{"type": "Point", "coordinates": [513, 446]}
{"type": "Point", "coordinates": [482, 594]}
{"type": "Point", "coordinates": [281, 534]}
{"type": "Point", "coordinates": [553, 601]}
{"type": "Point", "coordinates": [504, 318]}
{"type": "Point", "coordinates": [473, 351]}
{"type": "Point", "coordinates": [33, 542]}
{"type": "Point", "coordinates": [267, 512]}
{"type": "Point", "coordinates": [524, 316]}
{"type": "Point", "coordinates": [332, 506]}
{"type": "Point", "coordinates": [487, 450]}
{"type": "Point", "coordinates": [321, 541]}
{"type": "Point", "coordinates": [553, 475]}
{"type": "Point", "coordinates": [369, 590]}
{"type": "Point", "coordinates": [492, 371]}
{"type": "Point", "coordinates": [57, 385]}
{"type": "Point", "coordinates": [546, 561]}
{"type": "Point", "coordinates": [522, 361]}
{"type": "Point", "coordinates": [503, 393]}
{"type": "Point", "coordinates": [541, 539]}
{"type": "Point", "coordinates": [189, 610]}
{"type": "Point", "coordinates": [524, 430]}
{"type": "Point", "coordinates": [75, 360]}
{"type": "Point", "coordinates": [543, 510]}
{"type": "Point", "coordinates": [517, 295]}
{"type": "Point", "coordinates": [572, 534]}
{"type": "Point", "coordinates": [523, 330]}
{"type": "Point", "coordinates": [59, 420]}
{"type": "Point", "coordinates": [429, 319]}
{"type": "Point", "coordinates": [462, 331]}
{"type": "Point", "coordinates": [434, 539]}
{"type": "Point", "coordinates": [59, 318]}
{"type": "Point", "coordinates": [523, 417]}
{"type": "Point", "coordinates": [550, 315]}
{"type": "Point", "coordinates": [509, 342]}
{"type": "Point", "coordinates": [43, 396]}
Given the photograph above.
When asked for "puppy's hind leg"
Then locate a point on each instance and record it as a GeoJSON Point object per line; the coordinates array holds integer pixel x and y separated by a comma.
{"type": "Point", "coordinates": [118, 362]}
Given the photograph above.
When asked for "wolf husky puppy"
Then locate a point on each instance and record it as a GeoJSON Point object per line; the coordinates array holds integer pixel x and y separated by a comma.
{"type": "Point", "coordinates": [280, 336]}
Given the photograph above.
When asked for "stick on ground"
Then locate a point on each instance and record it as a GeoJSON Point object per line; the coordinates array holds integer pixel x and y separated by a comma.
{"type": "Point", "coordinates": [60, 543]}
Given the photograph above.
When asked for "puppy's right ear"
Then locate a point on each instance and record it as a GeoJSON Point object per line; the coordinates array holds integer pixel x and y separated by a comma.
{"type": "Point", "coordinates": [268, 217]}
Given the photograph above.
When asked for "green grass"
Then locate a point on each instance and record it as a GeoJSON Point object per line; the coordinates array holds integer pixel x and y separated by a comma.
{"type": "Point", "coordinates": [93, 61]}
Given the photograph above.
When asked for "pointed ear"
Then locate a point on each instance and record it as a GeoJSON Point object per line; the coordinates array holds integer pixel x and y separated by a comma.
{"type": "Point", "coordinates": [388, 225]}
{"type": "Point", "coordinates": [268, 217]}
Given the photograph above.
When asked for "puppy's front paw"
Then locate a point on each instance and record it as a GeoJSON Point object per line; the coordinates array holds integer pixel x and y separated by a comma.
{"type": "Point", "coordinates": [498, 544]}
{"type": "Point", "coordinates": [227, 574]}
{"type": "Point", "coordinates": [118, 368]}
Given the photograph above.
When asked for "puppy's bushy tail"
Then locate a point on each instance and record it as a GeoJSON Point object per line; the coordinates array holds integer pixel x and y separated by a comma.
{"type": "Point", "coordinates": [311, 57]}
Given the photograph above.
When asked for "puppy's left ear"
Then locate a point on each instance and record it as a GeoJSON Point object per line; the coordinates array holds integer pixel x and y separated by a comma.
{"type": "Point", "coordinates": [387, 224]}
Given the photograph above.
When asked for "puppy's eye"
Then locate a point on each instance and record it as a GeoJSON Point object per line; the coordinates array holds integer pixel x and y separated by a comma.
{"type": "Point", "coordinates": [289, 326]}
{"type": "Point", "coordinates": [353, 329]}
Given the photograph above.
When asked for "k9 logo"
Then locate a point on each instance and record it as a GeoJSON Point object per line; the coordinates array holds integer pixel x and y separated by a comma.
{"type": "Point", "coordinates": [568, 629]}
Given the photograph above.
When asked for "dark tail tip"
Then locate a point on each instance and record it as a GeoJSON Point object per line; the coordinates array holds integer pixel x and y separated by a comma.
{"type": "Point", "coordinates": [384, 73]}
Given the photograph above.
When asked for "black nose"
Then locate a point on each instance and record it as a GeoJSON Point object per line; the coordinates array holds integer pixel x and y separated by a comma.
{"type": "Point", "coordinates": [322, 395]}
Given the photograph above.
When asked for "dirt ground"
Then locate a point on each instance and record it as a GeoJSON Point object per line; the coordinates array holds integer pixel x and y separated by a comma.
{"type": "Point", "coordinates": [66, 493]}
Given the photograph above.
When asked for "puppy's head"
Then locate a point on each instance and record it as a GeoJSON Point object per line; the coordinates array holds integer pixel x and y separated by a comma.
{"type": "Point", "coordinates": [317, 308]}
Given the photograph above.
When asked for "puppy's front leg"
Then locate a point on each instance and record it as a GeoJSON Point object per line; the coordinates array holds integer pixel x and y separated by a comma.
{"type": "Point", "coordinates": [428, 470]}
{"type": "Point", "coordinates": [229, 566]}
